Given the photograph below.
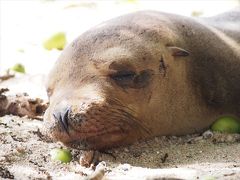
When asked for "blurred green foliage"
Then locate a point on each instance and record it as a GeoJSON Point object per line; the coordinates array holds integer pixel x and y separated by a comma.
{"type": "Point", "coordinates": [21, 50]}
{"type": "Point", "coordinates": [56, 41]}
{"type": "Point", "coordinates": [18, 68]}
{"type": "Point", "coordinates": [196, 13]}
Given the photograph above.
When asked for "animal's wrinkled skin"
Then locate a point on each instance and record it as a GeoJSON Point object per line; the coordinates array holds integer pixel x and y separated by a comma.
{"type": "Point", "coordinates": [142, 75]}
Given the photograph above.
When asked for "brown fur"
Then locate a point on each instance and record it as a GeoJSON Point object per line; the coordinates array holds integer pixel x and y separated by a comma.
{"type": "Point", "coordinates": [165, 90]}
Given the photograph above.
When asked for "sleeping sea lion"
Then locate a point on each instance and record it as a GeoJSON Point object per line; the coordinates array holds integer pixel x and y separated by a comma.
{"type": "Point", "coordinates": [142, 75]}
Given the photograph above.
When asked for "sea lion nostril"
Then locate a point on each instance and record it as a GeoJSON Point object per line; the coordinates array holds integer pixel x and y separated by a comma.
{"type": "Point", "coordinates": [62, 117]}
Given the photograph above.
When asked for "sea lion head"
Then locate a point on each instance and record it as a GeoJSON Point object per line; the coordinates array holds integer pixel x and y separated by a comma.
{"type": "Point", "coordinates": [115, 84]}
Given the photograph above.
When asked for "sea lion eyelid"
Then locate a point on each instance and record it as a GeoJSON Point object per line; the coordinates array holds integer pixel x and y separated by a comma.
{"type": "Point", "coordinates": [123, 66]}
{"type": "Point", "coordinates": [123, 75]}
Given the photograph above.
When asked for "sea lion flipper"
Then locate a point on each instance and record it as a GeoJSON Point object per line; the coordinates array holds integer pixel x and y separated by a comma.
{"type": "Point", "coordinates": [176, 51]}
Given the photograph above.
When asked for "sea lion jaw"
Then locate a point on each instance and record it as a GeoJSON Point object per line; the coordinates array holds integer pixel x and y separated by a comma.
{"type": "Point", "coordinates": [86, 131]}
{"type": "Point", "coordinates": [91, 121]}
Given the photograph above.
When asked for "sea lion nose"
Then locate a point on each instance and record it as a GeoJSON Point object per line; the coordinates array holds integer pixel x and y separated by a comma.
{"type": "Point", "coordinates": [61, 115]}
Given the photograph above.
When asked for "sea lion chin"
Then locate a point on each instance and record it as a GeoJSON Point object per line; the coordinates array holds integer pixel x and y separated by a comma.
{"type": "Point", "coordinates": [142, 75]}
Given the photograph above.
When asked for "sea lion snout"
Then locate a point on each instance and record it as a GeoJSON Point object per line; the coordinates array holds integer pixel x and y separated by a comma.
{"type": "Point", "coordinates": [90, 123]}
{"type": "Point", "coordinates": [62, 116]}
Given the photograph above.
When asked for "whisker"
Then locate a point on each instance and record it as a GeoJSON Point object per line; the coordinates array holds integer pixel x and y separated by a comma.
{"type": "Point", "coordinates": [129, 116]}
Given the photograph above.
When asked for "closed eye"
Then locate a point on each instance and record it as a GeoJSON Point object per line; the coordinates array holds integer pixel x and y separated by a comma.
{"type": "Point", "coordinates": [129, 79]}
{"type": "Point", "coordinates": [123, 76]}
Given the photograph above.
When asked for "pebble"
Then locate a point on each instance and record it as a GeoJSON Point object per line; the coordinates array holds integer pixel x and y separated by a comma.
{"type": "Point", "coordinates": [2, 159]}
{"type": "Point", "coordinates": [156, 139]}
{"type": "Point", "coordinates": [198, 138]}
{"type": "Point", "coordinates": [98, 174]}
{"type": "Point", "coordinates": [229, 138]}
{"type": "Point", "coordinates": [86, 158]}
{"type": "Point", "coordinates": [136, 153]}
{"type": "Point", "coordinates": [207, 134]}
{"type": "Point", "coordinates": [102, 164]}
{"type": "Point", "coordinates": [124, 167]}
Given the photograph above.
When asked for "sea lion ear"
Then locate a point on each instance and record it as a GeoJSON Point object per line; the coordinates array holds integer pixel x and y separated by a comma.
{"type": "Point", "coordinates": [176, 51]}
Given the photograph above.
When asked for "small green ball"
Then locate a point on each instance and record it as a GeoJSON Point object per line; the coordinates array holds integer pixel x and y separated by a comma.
{"type": "Point", "coordinates": [18, 68]}
{"type": "Point", "coordinates": [62, 155]}
{"type": "Point", "coordinates": [56, 41]}
{"type": "Point", "coordinates": [226, 125]}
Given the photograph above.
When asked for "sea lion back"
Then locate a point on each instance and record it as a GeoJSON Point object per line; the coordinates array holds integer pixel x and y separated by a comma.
{"type": "Point", "coordinates": [228, 22]}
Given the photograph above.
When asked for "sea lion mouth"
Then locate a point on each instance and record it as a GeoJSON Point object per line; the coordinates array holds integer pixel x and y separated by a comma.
{"type": "Point", "coordinates": [100, 141]}
{"type": "Point", "coordinates": [109, 136]}
{"type": "Point", "coordinates": [97, 126]}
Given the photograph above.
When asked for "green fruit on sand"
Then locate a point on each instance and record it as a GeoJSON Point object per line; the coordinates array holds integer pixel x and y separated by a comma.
{"type": "Point", "coordinates": [57, 41]}
{"type": "Point", "coordinates": [226, 125]}
{"type": "Point", "coordinates": [62, 155]}
{"type": "Point", "coordinates": [18, 68]}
